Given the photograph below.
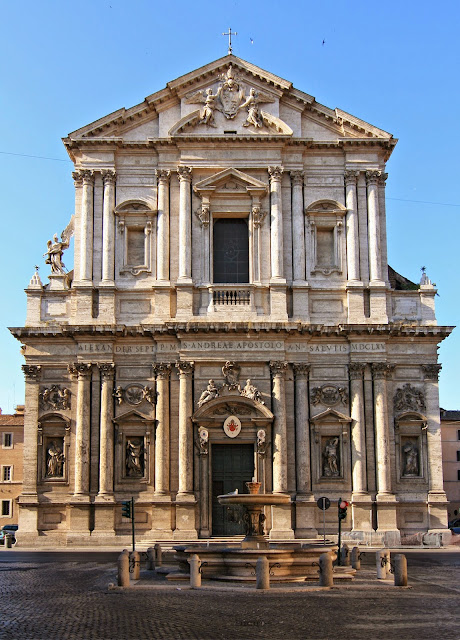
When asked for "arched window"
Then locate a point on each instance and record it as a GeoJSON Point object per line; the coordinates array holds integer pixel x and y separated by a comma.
{"type": "Point", "coordinates": [231, 251]}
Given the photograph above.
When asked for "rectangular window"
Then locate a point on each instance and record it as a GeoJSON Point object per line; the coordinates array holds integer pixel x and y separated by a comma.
{"type": "Point", "coordinates": [325, 247]}
{"type": "Point", "coordinates": [7, 440]}
{"type": "Point", "coordinates": [458, 456]}
{"type": "Point", "coordinates": [458, 474]}
{"type": "Point", "coordinates": [6, 508]}
{"type": "Point", "coordinates": [7, 473]}
{"type": "Point", "coordinates": [458, 434]}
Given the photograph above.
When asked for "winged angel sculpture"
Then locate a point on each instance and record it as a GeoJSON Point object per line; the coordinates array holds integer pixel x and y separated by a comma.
{"type": "Point", "coordinates": [230, 99]}
{"type": "Point", "coordinates": [56, 247]}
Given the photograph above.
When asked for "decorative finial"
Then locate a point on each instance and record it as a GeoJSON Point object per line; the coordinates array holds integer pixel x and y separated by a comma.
{"type": "Point", "coordinates": [230, 34]}
{"type": "Point", "coordinates": [37, 268]}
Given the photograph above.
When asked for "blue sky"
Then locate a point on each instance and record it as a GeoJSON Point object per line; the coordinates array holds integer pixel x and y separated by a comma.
{"type": "Point", "coordinates": [394, 64]}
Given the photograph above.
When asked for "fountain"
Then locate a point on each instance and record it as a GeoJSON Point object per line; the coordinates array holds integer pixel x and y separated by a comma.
{"type": "Point", "coordinates": [288, 561]}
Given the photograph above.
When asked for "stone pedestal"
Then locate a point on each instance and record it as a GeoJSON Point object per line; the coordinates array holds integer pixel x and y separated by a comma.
{"type": "Point", "coordinates": [306, 512]}
{"type": "Point", "coordinates": [58, 282]}
{"type": "Point", "coordinates": [278, 307]}
{"type": "Point", "coordinates": [355, 303]}
{"type": "Point", "coordinates": [361, 512]}
{"type": "Point", "coordinates": [162, 300]}
{"type": "Point", "coordinates": [300, 301]}
{"type": "Point", "coordinates": [281, 522]}
{"type": "Point", "coordinates": [387, 519]}
{"type": "Point", "coordinates": [161, 519]}
{"type": "Point", "coordinates": [104, 520]}
{"type": "Point", "coordinates": [79, 520]}
{"type": "Point", "coordinates": [184, 304]}
{"type": "Point", "coordinates": [185, 519]}
{"type": "Point", "coordinates": [378, 303]}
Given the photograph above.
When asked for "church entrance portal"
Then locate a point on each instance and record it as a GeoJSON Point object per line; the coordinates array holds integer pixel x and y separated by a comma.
{"type": "Point", "coordinates": [232, 466]}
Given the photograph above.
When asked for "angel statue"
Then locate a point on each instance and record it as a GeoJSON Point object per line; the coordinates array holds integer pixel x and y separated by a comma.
{"type": "Point", "coordinates": [208, 100]}
{"type": "Point", "coordinates": [55, 248]}
{"type": "Point", "coordinates": [254, 118]}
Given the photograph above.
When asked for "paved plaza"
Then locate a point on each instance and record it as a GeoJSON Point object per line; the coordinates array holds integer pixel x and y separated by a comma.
{"type": "Point", "coordinates": [70, 600]}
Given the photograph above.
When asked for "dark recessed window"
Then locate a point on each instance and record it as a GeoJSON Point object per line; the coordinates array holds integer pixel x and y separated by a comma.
{"type": "Point", "coordinates": [458, 456]}
{"type": "Point", "coordinates": [458, 434]}
{"type": "Point", "coordinates": [231, 250]}
{"type": "Point", "coordinates": [458, 474]}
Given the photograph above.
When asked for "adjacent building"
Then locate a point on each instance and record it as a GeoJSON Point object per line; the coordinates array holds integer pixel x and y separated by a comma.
{"type": "Point", "coordinates": [11, 457]}
{"type": "Point", "coordinates": [450, 436]}
{"type": "Point", "coordinates": [231, 315]}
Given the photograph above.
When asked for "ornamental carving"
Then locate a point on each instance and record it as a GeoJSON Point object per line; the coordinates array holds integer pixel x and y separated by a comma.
{"type": "Point", "coordinates": [431, 371]}
{"type": "Point", "coordinates": [381, 370]}
{"type": "Point", "coordinates": [275, 173]}
{"type": "Point", "coordinates": [329, 395]}
{"type": "Point", "coordinates": [185, 368]}
{"type": "Point", "coordinates": [297, 178]}
{"type": "Point", "coordinates": [251, 392]}
{"type": "Point", "coordinates": [208, 394]}
{"type": "Point", "coordinates": [258, 216]}
{"type": "Point", "coordinates": [109, 176]}
{"type": "Point", "coordinates": [261, 442]}
{"type": "Point", "coordinates": [203, 214]}
{"type": "Point", "coordinates": [373, 177]}
{"type": "Point", "coordinates": [163, 175]}
{"type": "Point", "coordinates": [55, 398]}
{"type": "Point", "coordinates": [203, 441]}
{"type": "Point", "coordinates": [162, 370]}
{"type": "Point", "coordinates": [231, 373]}
{"type": "Point", "coordinates": [356, 370]}
{"type": "Point", "coordinates": [184, 173]}
{"type": "Point", "coordinates": [350, 177]}
{"type": "Point", "coordinates": [107, 370]}
{"type": "Point", "coordinates": [278, 368]}
{"type": "Point", "coordinates": [134, 394]}
{"type": "Point", "coordinates": [301, 369]}
{"type": "Point", "coordinates": [408, 398]}
{"type": "Point", "coordinates": [31, 371]}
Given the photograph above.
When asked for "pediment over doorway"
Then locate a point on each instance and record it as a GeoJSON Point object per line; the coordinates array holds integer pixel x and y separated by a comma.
{"type": "Point", "coordinates": [247, 410]}
{"type": "Point", "coordinates": [231, 180]}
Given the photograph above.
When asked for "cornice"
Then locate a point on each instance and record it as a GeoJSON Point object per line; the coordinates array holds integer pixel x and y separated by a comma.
{"type": "Point", "coordinates": [178, 329]}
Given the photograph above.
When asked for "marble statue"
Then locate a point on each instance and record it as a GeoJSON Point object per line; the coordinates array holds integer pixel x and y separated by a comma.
{"type": "Point", "coordinates": [54, 460]}
{"type": "Point", "coordinates": [410, 453]}
{"type": "Point", "coordinates": [330, 458]}
{"type": "Point", "coordinates": [251, 392]}
{"type": "Point", "coordinates": [209, 393]}
{"type": "Point", "coordinates": [118, 395]}
{"type": "Point", "coordinates": [56, 247]}
{"type": "Point", "coordinates": [134, 462]}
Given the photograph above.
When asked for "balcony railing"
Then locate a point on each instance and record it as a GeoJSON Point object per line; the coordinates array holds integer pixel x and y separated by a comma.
{"type": "Point", "coordinates": [231, 297]}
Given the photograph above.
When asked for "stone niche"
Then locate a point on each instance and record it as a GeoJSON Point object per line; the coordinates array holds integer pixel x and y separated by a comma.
{"type": "Point", "coordinates": [53, 449]}
{"type": "Point", "coordinates": [133, 451]}
{"type": "Point", "coordinates": [411, 448]}
{"type": "Point", "coordinates": [330, 451]}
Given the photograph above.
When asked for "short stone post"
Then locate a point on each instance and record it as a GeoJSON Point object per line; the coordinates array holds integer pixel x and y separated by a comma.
{"type": "Point", "coordinates": [326, 575]}
{"type": "Point", "coordinates": [195, 573]}
{"type": "Point", "coordinates": [355, 558]}
{"type": "Point", "coordinates": [136, 562]}
{"type": "Point", "coordinates": [123, 568]}
{"type": "Point", "coordinates": [151, 559]}
{"type": "Point", "coordinates": [262, 573]}
{"type": "Point", "coordinates": [381, 562]}
{"type": "Point", "coordinates": [345, 555]}
{"type": "Point", "coordinates": [400, 570]}
{"type": "Point", "coordinates": [8, 541]}
{"type": "Point", "coordinates": [158, 555]}
{"type": "Point", "coordinates": [388, 561]}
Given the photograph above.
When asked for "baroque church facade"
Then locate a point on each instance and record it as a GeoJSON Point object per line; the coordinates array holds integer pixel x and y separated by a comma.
{"type": "Point", "coordinates": [231, 316]}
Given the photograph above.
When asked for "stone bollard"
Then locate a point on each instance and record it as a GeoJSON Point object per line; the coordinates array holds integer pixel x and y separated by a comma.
{"type": "Point", "coordinates": [123, 568]}
{"type": "Point", "coordinates": [136, 562]}
{"type": "Point", "coordinates": [262, 573]}
{"type": "Point", "coordinates": [355, 558]}
{"type": "Point", "coordinates": [195, 573]}
{"type": "Point", "coordinates": [326, 575]}
{"type": "Point", "coordinates": [381, 562]}
{"type": "Point", "coordinates": [151, 559]}
{"type": "Point", "coordinates": [158, 555]}
{"type": "Point", "coordinates": [400, 570]}
{"type": "Point", "coordinates": [8, 541]}
{"type": "Point", "coordinates": [345, 555]}
{"type": "Point", "coordinates": [388, 561]}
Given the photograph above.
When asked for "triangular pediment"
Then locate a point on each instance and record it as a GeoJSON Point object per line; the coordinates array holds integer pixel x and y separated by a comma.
{"type": "Point", "coordinates": [230, 180]}
{"type": "Point", "coordinates": [132, 416]}
{"type": "Point", "coordinates": [330, 415]}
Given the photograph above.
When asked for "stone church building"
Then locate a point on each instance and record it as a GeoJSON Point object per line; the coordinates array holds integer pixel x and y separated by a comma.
{"type": "Point", "coordinates": [231, 315]}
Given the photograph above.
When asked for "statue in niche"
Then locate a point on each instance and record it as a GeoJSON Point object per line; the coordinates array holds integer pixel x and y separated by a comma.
{"type": "Point", "coordinates": [208, 394]}
{"type": "Point", "coordinates": [410, 454]}
{"type": "Point", "coordinates": [118, 395]}
{"type": "Point", "coordinates": [330, 458]}
{"type": "Point", "coordinates": [134, 457]}
{"type": "Point", "coordinates": [251, 392]}
{"type": "Point", "coordinates": [56, 248]}
{"type": "Point", "coordinates": [54, 460]}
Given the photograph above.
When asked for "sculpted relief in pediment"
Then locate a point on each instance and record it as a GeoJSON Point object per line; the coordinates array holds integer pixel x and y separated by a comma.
{"type": "Point", "coordinates": [230, 99]}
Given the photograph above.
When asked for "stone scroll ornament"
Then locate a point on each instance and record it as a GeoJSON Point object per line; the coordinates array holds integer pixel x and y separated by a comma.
{"type": "Point", "coordinates": [329, 395]}
{"type": "Point", "coordinates": [408, 398]}
{"type": "Point", "coordinates": [55, 398]}
{"type": "Point", "coordinates": [230, 99]}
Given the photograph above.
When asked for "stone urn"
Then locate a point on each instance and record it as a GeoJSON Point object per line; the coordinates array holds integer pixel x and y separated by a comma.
{"type": "Point", "coordinates": [253, 487]}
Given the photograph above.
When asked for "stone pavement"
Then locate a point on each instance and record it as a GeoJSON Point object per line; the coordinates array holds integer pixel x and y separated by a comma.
{"type": "Point", "coordinates": [72, 601]}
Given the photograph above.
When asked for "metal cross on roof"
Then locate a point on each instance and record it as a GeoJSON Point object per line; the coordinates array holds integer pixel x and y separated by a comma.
{"type": "Point", "coordinates": [230, 34]}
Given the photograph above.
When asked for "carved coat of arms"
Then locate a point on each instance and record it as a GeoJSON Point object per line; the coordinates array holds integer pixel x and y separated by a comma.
{"type": "Point", "coordinates": [408, 398]}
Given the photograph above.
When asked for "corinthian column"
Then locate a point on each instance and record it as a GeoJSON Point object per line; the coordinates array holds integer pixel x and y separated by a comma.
{"type": "Point", "coordinates": [276, 210]}
{"type": "Point", "coordinates": [107, 371]}
{"type": "Point", "coordinates": [32, 377]}
{"type": "Point", "coordinates": [86, 225]}
{"type": "Point", "coordinates": [278, 370]}
{"type": "Point", "coordinates": [302, 429]}
{"type": "Point", "coordinates": [431, 375]}
{"type": "Point", "coordinates": [185, 370]}
{"type": "Point", "coordinates": [185, 224]}
{"type": "Point", "coordinates": [83, 372]}
{"type": "Point", "coordinates": [358, 437]}
{"type": "Point", "coordinates": [380, 371]}
{"type": "Point", "coordinates": [352, 225]}
{"type": "Point", "coordinates": [162, 372]}
{"type": "Point", "coordinates": [298, 227]}
{"type": "Point", "coordinates": [372, 178]}
{"type": "Point", "coordinates": [163, 224]}
{"type": "Point", "coordinates": [108, 228]}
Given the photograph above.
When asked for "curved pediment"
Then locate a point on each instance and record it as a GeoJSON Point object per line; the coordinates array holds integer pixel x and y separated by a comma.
{"type": "Point", "coordinates": [326, 206]}
{"type": "Point", "coordinates": [135, 206]}
{"type": "Point", "coordinates": [242, 407]}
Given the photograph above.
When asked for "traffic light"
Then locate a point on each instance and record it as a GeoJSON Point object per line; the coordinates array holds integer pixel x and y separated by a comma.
{"type": "Point", "coordinates": [343, 504]}
{"type": "Point", "coordinates": [126, 509]}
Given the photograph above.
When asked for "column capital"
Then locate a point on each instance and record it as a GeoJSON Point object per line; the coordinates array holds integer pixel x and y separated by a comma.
{"type": "Point", "coordinates": [301, 370]}
{"type": "Point", "coordinates": [351, 177]}
{"type": "Point", "coordinates": [107, 370]}
{"type": "Point", "coordinates": [275, 173]}
{"type": "Point", "coordinates": [381, 370]}
{"type": "Point", "coordinates": [109, 176]}
{"type": "Point", "coordinates": [382, 179]}
{"type": "Point", "coordinates": [77, 177]}
{"type": "Point", "coordinates": [184, 173]}
{"type": "Point", "coordinates": [356, 370]}
{"type": "Point", "coordinates": [373, 177]}
{"type": "Point", "coordinates": [297, 178]}
{"type": "Point", "coordinates": [85, 176]}
{"type": "Point", "coordinates": [162, 370]}
{"type": "Point", "coordinates": [31, 372]}
{"type": "Point", "coordinates": [80, 369]}
{"type": "Point", "coordinates": [184, 368]}
{"type": "Point", "coordinates": [163, 175]}
{"type": "Point", "coordinates": [431, 371]}
{"type": "Point", "coordinates": [278, 368]}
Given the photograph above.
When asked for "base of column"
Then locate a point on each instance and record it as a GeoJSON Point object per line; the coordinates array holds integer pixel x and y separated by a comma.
{"type": "Point", "coordinates": [300, 301]}
{"type": "Point", "coordinates": [281, 523]}
{"type": "Point", "coordinates": [162, 300]}
{"type": "Point", "coordinates": [278, 302]}
{"type": "Point", "coordinates": [79, 521]}
{"type": "Point", "coordinates": [185, 522]}
{"type": "Point", "coordinates": [378, 302]}
{"type": "Point", "coordinates": [361, 512]}
{"type": "Point", "coordinates": [355, 302]}
{"type": "Point", "coordinates": [184, 297]}
{"type": "Point", "coordinates": [106, 303]}
{"type": "Point", "coordinates": [162, 517]}
{"type": "Point", "coordinates": [306, 515]}
{"type": "Point", "coordinates": [387, 519]}
{"type": "Point", "coordinates": [104, 520]}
